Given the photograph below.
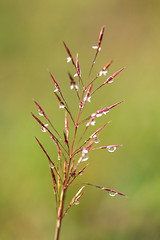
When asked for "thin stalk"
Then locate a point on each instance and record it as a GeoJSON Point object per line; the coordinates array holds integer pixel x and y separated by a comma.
{"type": "Point", "coordinates": [77, 123]}
{"type": "Point", "coordinates": [60, 214]}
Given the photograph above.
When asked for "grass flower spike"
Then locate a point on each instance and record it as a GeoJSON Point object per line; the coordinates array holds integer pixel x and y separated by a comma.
{"type": "Point", "coordinates": [72, 143]}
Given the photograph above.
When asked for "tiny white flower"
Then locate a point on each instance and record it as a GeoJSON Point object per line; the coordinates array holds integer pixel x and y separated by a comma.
{"type": "Point", "coordinates": [76, 75]}
{"type": "Point", "coordinates": [94, 136]}
{"type": "Point", "coordinates": [61, 106]}
{"type": "Point", "coordinates": [84, 151]}
{"type": "Point", "coordinates": [98, 114]}
{"type": "Point", "coordinates": [105, 112]}
{"type": "Point", "coordinates": [102, 72]}
{"type": "Point", "coordinates": [96, 47]}
{"type": "Point", "coordinates": [81, 105]}
{"type": "Point", "coordinates": [51, 166]}
{"type": "Point", "coordinates": [84, 159]}
{"type": "Point", "coordinates": [76, 87]}
{"type": "Point", "coordinates": [43, 128]}
{"type": "Point", "coordinates": [89, 99]}
{"type": "Point", "coordinates": [93, 123]}
{"type": "Point", "coordinates": [93, 115]}
{"type": "Point", "coordinates": [87, 125]}
{"type": "Point", "coordinates": [56, 89]}
{"type": "Point", "coordinates": [69, 59]}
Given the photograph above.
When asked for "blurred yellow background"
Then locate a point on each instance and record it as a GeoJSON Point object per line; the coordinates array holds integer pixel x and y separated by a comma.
{"type": "Point", "coordinates": [30, 45]}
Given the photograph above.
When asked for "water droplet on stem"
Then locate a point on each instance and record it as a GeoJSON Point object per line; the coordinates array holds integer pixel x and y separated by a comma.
{"type": "Point", "coordinates": [112, 194]}
{"type": "Point", "coordinates": [111, 149]}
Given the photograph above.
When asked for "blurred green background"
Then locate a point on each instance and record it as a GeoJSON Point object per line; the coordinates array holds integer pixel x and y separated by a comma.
{"type": "Point", "coordinates": [30, 45]}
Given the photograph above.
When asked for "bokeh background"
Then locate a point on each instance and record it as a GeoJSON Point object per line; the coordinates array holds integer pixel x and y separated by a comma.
{"type": "Point", "coordinates": [30, 45]}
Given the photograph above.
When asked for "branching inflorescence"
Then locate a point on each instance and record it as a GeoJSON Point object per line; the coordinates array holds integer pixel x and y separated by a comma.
{"type": "Point", "coordinates": [70, 157]}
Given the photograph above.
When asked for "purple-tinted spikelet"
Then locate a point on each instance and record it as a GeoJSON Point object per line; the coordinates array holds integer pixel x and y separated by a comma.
{"type": "Point", "coordinates": [72, 148]}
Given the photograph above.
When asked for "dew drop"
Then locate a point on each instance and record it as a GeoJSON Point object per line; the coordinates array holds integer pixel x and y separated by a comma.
{"type": "Point", "coordinates": [41, 114]}
{"type": "Point", "coordinates": [96, 140]}
{"type": "Point", "coordinates": [76, 203]}
{"type": "Point", "coordinates": [111, 149]}
{"type": "Point", "coordinates": [110, 81]}
{"type": "Point", "coordinates": [113, 194]}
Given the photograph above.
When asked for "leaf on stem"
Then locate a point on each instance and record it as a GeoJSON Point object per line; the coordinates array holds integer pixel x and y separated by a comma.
{"type": "Point", "coordinates": [98, 113]}
{"type": "Point", "coordinates": [77, 66]}
{"type": "Point", "coordinates": [110, 148]}
{"type": "Point", "coordinates": [111, 78]}
{"type": "Point", "coordinates": [106, 189]}
{"type": "Point", "coordinates": [45, 127]}
{"type": "Point", "coordinates": [65, 139]}
{"type": "Point", "coordinates": [57, 88]}
{"type": "Point", "coordinates": [104, 69]}
{"type": "Point", "coordinates": [75, 199]}
{"type": "Point", "coordinates": [87, 97]}
{"type": "Point", "coordinates": [100, 36]}
{"type": "Point", "coordinates": [97, 131]}
{"type": "Point", "coordinates": [54, 182]}
{"type": "Point", "coordinates": [40, 109]}
{"type": "Point", "coordinates": [66, 125]}
{"type": "Point", "coordinates": [61, 104]}
{"type": "Point", "coordinates": [49, 159]}
{"type": "Point", "coordinates": [69, 53]}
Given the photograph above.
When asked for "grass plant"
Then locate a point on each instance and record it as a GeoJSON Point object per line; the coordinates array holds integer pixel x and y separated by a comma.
{"type": "Point", "coordinates": [73, 148]}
